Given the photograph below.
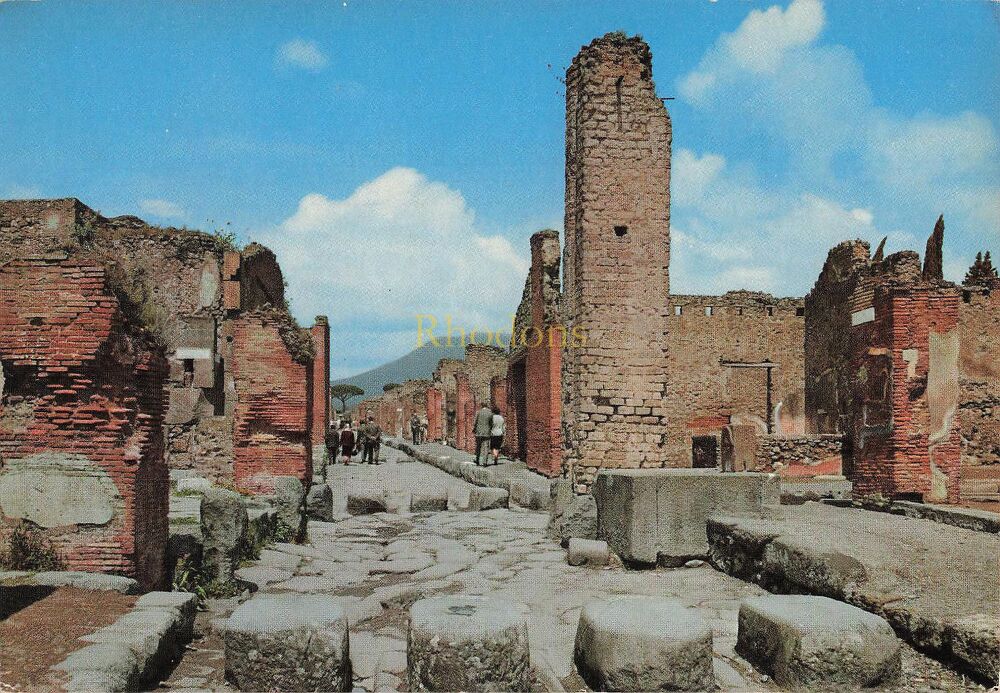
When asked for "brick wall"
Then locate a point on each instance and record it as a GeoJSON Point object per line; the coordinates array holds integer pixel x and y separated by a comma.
{"type": "Point", "coordinates": [533, 402]}
{"type": "Point", "coordinates": [905, 439]}
{"type": "Point", "coordinates": [465, 413]}
{"type": "Point", "coordinates": [720, 351]}
{"type": "Point", "coordinates": [274, 399]}
{"type": "Point", "coordinates": [321, 380]}
{"type": "Point", "coordinates": [83, 399]}
{"type": "Point", "coordinates": [434, 397]}
{"type": "Point", "coordinates": [616, 259]}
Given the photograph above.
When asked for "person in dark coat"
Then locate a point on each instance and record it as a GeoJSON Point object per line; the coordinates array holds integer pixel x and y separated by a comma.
{"type": "Point", "coordinates": [347, 442]}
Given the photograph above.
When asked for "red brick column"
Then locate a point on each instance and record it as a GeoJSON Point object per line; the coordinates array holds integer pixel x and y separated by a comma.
{"type": "Point", "coordinates": [321, 380]}
{"type": "Point", "coordinates": [905, 427]}
{"type": "Point", "coordinates": [274, 397]}
{"type": "Point", "coordinates": [434, 431]}
{"type": "Point", "coordinates": [465, 412]}
{"type": "Point", "coordinates": [86, 398]}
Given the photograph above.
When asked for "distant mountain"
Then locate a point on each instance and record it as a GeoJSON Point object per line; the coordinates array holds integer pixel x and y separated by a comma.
{"type": "Point", "coordinates": [419, 363]}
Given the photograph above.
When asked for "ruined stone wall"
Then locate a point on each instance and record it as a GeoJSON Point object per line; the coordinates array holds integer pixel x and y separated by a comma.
{"type": "Point", "coordinates": [413, 401]}
{"type": "Point", "coordinates": [321, 380]}
{"type": "Point", "coordinates": [905, 439]}
{"type": "Point", "coordinates": [720, 351]}
{"type": "Point", "coordinates": [799, 456]}
{"type": "Point", "coordinates": [83, 400]}
{"type": "Point", "coordinates": [483, 363]}
{"type": "Point", "coordinates": [444, 376]}
{"type": "Point", "coordinates": [273, 375]}
{"type": "Point", "coordinates": [827, 331]}
{"type": "Point", "coordinates": [261, 282]}
{"type": "Point", "coordinates": [979, 327]}
{"type": "Point", "coordinates": [616, 264]}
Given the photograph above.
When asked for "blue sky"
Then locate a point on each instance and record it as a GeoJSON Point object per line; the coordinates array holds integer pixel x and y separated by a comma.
{"type": "Point", "coordinates": [397, 156]}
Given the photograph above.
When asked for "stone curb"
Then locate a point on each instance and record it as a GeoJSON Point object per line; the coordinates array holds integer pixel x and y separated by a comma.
{"type": "Point", "coordinates": [756, 550]}
{"type": "Point", "coordinates": [101, 582]}
{"type": "Point", "coordinates": [136, 648]}
{"type": "Point", "coordinates": [965, 518]}
{"type": "Point", "coordinates": [525, 488]}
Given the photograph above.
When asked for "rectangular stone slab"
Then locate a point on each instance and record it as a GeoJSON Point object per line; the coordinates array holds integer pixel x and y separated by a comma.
{"type": "Point", "coordinates": [659, 515]}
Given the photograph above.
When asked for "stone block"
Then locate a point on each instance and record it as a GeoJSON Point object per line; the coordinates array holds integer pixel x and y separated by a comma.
{"type": "Point", "coordinates": [633, 643]}
{"type": "Point", "coordinates": [289, 642]}
{"type": "Point", "coordinates": [223, 526]}
{"type": "Point", "coordinates": [365, 503]}
{"type": "Point", "coordinates": [193, 484]}
{"type": "Point", "coordinates": [483, 498]}
{"type": "Point", "coordinates": [289, 502]}
{"type": "Point", "coordinates": [588, 552]}
{"type": "Point", "coordinates": [85, 581]}
{"type": "Point", "coordinates": [659, 515]}
{"type": "Point", "coordinates": [54, 489]}
{"type": "Point", "coordinates": [577, 518]}
{"type": "Point", "coordinates": [810, 642]}
{"type": "Point", "coordinates": [429, 502]}
{"type": "Point", "coordinates": [319, 502]}
{"type": "Point", "coordinates": [112, 665]}
{"type": "Point", "coordinates": [530, 494]}
{"type": "Point", "coordinates": [458, 643]}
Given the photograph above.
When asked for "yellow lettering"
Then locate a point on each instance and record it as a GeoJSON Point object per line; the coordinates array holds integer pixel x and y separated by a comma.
{"type": "Point", "coordinates": [430, 334]}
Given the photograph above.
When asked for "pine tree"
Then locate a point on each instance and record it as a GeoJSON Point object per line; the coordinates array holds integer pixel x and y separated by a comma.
{"type": "Point", "coordinates": [982, 271]}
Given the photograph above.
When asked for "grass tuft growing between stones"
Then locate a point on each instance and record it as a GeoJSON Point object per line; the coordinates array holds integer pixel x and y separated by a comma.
{"type": "Point", "coordinates": [29, 549]}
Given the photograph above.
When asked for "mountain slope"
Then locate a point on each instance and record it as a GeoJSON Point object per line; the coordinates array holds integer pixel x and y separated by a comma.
{"type": "Point", "coordinates": [419, 363]}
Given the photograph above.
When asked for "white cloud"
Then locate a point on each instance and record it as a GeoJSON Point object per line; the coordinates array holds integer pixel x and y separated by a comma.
{"type": "Point", "coordinates": [162, 208]}
{"type": "Point", "coordinates": [761, 41]}
{"type": "Point", "coordinates": [398, 246]}
{"type": "Point", "coordinates": [302, 54]}
{"type": "Point", "coordinates": [759, 45]}
{"type": "Point", "coordinates": [839, 165]}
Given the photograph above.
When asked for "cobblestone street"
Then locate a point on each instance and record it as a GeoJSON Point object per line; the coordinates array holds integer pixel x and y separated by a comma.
{"type": "Point", "coordinates": [381, 563]}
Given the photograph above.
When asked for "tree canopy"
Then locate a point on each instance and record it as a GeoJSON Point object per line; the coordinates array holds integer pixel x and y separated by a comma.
{"type": "Point", "coordinates": [981, 271]}
{"type": "Point", "coordinates": [344, 392]}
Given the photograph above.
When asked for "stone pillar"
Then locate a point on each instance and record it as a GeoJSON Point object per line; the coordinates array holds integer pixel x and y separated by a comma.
{"type": "Point", "coordinates": [617, 255]}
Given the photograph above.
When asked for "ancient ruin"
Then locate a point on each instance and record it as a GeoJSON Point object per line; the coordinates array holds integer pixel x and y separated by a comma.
{"type": "Point", "coordinates": [686, 480]}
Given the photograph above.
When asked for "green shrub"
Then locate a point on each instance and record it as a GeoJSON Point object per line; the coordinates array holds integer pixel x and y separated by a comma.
{"type": "Point", "coordinates": [29, 549]}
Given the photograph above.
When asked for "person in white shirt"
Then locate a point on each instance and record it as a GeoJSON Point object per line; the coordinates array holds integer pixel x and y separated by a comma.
{"type": "Point", "coordinates": [497, 431]}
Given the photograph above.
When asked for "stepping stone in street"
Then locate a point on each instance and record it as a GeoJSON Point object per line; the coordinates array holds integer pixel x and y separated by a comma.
{"type": "Point", "coordinates": [634, 643]}
{"type": "Point", "coordinates": [462, 643]}
{"type": "Point", "coordinates": [806, 641]}
{"type": "Point", "coordinates": [289, 642]}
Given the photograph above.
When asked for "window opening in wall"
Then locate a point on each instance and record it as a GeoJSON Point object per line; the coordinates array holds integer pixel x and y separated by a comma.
{"type": "Point", "coordinates": [800, 311]}
{"type": "Point", "coordinates": [620, 231]}
{"type": "Point", "coordinates": [678, 310]}
{"type": "Point", "coordinates": [739, 310]}
{"type": "Point", "coordinates": [618, 95]}
{"type": "Point", "coordinates": [770, 311]}
{"type": "Point", "coordinates": [188, 372]}
{"type": "Point", "coordinates": [709, 311]}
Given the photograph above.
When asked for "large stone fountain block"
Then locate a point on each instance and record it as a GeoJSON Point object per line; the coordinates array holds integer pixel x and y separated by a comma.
{"type": "Point", "coordinates": [659, 515]}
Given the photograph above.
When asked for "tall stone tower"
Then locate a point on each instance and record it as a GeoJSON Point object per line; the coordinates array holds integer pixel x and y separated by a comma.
{"type": "Point", "coordinates": [616, 259]}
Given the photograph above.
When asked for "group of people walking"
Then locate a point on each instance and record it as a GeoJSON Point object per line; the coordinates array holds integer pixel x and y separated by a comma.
{"type": "Point", "coordinates": [489, 429]}
{"type": "Point", "coordinates": [348, 440]}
